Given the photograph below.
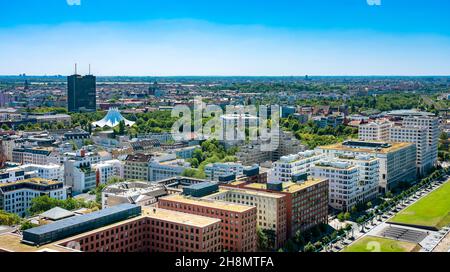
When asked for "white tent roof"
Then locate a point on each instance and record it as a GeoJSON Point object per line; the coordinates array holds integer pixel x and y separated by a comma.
{"type": "Point", "coordinates": [112, 119]}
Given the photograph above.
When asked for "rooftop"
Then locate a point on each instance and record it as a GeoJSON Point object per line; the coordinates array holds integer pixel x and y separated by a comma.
{"type": "Point", "coordinates": [222, 205]}
{"type": "Point", "coordinates": [289, 187]}
{"type": "Point", "coordinates": [392, 147]}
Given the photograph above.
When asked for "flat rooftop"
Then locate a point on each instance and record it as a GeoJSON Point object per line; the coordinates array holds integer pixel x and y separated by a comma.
{"type": "Point", "coordinates": [11, 242]}
{"type": "Point", "coordinates": [37, 181]}
{"type": "Point", "coordinates": [179, 217]}
{"type": "Point", "coordinates": [289, 187]}
{"type": "Point", "coordinates": [352, 148]}
{"type": "Point", "coordinates": [246, 191]}
{"type": "Point", "coordinates": [222, 205]}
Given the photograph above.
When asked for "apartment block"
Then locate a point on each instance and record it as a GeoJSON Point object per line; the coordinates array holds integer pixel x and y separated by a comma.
{"type": "Point", "coordinates": [16, 197]}
{"type": "Point", "coordinates": [215, 170]}
{"type": "Point", "coordinates": [287, 167]}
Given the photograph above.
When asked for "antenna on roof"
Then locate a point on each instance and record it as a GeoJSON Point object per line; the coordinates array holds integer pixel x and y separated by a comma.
{"type": "Point", "coordinates": [89, 69]}
{"type": "Point", "coordinates": [75, 68]}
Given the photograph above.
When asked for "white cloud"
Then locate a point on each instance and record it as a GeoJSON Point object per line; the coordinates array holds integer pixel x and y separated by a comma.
{"type": "Point", "coordinates": [374, 2]}
{"type": "Point", "coordinates": [73, 2]}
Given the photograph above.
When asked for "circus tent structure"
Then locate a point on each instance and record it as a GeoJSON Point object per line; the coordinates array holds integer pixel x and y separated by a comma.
{"type": "Point", "coordinates": [112, 119]}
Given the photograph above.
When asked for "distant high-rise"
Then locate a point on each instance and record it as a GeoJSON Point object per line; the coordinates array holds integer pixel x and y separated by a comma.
{"type": "Point", "coordinates": [81, 93]}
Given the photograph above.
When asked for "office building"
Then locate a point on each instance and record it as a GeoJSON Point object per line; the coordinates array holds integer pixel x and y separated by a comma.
{"type": "Point", "coordinates": [214, 171]}
{"type": "Point", "coordinates": [81, 93]}
{"type": "Point", "coordinates": [397, 161]}
{"type": "Point", "coordinates": [141, 193]}
{"type": "Point", "coordinates": [288, 167]}
{"type": "Point", "coordinates": [238, 221]}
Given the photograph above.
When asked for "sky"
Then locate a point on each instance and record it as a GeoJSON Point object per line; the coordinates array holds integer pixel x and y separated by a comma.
{"type": "Point", "coordinates": [225, 37]}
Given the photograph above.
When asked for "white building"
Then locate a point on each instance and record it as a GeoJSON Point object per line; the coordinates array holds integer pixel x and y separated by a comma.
{"type": "Point", "coordinates": [78, 173]}
{"type": "Point", "coordinates": [431, 125]}
{"type": "Point", "coordinates": [288, 166]}
{"type": "Point", "coordinates": [215, 170]}
{"type": "Point", "coordinates": [397, 161]}
{"type": "Point", "coordinates": [419, 128]}
{"type": "Point", "coordinates": [12, 174]}
{"type": "Point", "coordinates": [418, 136]}
{"type": "Point", "coordinates": [271, 209]}
{"type": "Point", "coordinates": [166, 166]}
{"type": "Point", "coordinates": [343, 182]}
{"type": "Point", "coordinates": [16, 197]}
{"type": "Point", "coordinates": [50, 171]}
{"type": "Point", "coordinates": [377, 130]}
{"type": "Point", "coordinates": [108, 169]}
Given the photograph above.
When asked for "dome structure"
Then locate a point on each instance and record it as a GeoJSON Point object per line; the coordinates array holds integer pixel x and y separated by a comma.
{"type": "Point", "coordinates": [112, 119]}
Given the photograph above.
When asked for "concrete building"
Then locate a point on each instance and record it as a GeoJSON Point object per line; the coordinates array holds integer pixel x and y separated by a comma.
{"type": "Point", "coordinates": [81, 93]}
{"type": "Point", "coordinates": [50, 171]}
{"type": "Point", "coordinates": [79, 174]}
{"type": "Point", "coordinates": [108, 169]}
{"type": "Point", "coordinates": [16, 197]}
{"type": "Point", "coordinates": [306, 202]}
{"type": "Point", "coordinates": [377, 130]}
{"type": "Point", "coordinates": [164, 167]}
{"type": "Point", "coordinates": [271, 209]}
{"type": "Point", "coordinates": [31, 155]}
{"type": "Point", "coordinates": [397, 161]}
{"type": "Point", "coordinates": [352, 180]}
{"type": "Point", "coordinates": [290, 166]}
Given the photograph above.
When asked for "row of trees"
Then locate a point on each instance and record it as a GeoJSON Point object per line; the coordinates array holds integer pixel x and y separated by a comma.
{"type": "Point", "coordinates": [211, 151]}
{"type": "Point", "coordinates": [312, 136]}
{"type": "Point", "coordinates": [44, 203]}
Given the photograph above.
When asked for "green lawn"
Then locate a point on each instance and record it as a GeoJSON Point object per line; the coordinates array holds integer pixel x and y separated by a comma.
{"type": "Point", "coordinates": [377, 244]}
{"type": "Point", "coordinates": [431, 211]}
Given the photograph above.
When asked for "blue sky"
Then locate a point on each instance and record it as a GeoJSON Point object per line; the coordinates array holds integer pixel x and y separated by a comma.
{"type": "Point", "coordinates": [233, 37]}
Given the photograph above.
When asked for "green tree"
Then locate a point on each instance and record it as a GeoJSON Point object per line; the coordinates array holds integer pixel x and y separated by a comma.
{"type": "Point", "coordinates": [309, 247]}
{"type": "Point", "coordinates": [263, 240]}
{"type": "Point", "coordinates": [8, 219]}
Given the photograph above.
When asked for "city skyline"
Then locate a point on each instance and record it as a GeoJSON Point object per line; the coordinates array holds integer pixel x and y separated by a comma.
{"type": "Point", "coordinates": [176, 38]}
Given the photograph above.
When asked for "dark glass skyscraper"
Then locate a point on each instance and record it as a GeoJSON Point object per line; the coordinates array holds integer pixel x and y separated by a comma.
{"type": "Point", "coordinates": [81, 93]}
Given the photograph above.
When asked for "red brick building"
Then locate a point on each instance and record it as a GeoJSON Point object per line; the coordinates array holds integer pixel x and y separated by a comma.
{"type": "Point", "coordinates": [156, 230]}
{"type": "Point", "coordinates": [238, 222]}
{"type": "Point", "coordinates": [306, 203]}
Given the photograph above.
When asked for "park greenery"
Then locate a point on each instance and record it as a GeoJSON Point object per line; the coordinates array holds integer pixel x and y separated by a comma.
{"type": "Point", "coordinates": [211, 151]}
{"type": "Point", "coordinates": [444, 147]}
